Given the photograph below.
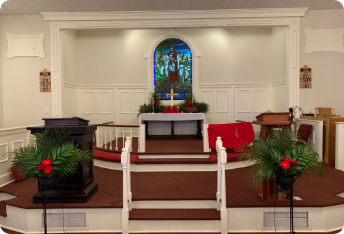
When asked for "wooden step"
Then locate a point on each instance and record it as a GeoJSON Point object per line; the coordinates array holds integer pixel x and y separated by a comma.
{"type": "Point", "coordinates": [174, 214]}
{"type": "Point", "coordinates": [173, 161]}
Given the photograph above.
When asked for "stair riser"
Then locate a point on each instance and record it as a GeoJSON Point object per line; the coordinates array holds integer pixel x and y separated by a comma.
{"type": "Point", "coordinates": [142, 226]}
{"type": "Point", "coordinates": [146, 156]}
{"type": "Point", "coordinates": [174, 204]}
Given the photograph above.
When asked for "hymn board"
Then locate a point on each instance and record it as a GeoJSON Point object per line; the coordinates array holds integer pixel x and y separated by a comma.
{"type": "Point", "coordinates": [305, 77]}
{"type": "Point", "coordinates": [45, 81]}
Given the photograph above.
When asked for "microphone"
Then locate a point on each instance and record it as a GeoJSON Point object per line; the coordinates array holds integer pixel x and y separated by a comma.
{"type": "Point", "coordinates": [292, 115]}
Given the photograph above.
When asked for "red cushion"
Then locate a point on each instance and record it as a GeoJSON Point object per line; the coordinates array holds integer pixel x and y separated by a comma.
{"type": "Point", "coordinates": [171, 110]}
{"type": "Point", "coordinates": [231, 157]}
{"type": "Point", "coordinates": [111, 157]}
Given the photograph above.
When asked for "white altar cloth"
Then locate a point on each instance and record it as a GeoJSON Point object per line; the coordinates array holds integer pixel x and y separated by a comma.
{"type": "Point", "coordinates": [172, 117]}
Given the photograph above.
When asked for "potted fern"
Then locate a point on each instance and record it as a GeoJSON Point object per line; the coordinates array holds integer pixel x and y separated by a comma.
{"type": "Point", "coordinates": [48, 156]}
{"type": "Point", "coordinates": [281, 158]}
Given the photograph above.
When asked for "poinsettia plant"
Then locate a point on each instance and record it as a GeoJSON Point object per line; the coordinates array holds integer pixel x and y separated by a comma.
{"type": "Point", "coordinates": [281, 153]}
{"type": "Point", "coordinates": [50, 153]}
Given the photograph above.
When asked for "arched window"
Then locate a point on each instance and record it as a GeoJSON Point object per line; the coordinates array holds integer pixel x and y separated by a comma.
{"type": "Point", "coordinates": [172, 69]}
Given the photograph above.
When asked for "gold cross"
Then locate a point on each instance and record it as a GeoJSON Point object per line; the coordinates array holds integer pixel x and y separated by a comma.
{"type": "Point", "coordinates": [172, 94]}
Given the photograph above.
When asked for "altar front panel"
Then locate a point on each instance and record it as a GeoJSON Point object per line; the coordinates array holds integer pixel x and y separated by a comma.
{"type": "Point", "coordinates": [180, 128]}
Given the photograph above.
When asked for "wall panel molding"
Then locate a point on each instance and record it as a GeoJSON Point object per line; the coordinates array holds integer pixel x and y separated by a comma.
{"type": "Point", "coordinates": [125, 102]}
{"type": "Point", "coordinates": [140, 98]}
{"type": "Point", "coordinates": [207, 95]}
{"type": "Point", "coordinates": [246, 92]}
{"type": "Point", "coordinates": [3, 150]}
{"type": "Point", "coordinates": [221, 101]}
{"type": "Point", "coordinates": [17, 144]}
{"type": "Point", "coordinates": [103, 107]}
{"type": "Point", "coordinates": [22, 45]}
{"type": "Point", "coordinates": [260, 101]}
{"type": "Point", "coordinates": [324, 40]}
{"type": "Point", "coordinates": [91, 105]}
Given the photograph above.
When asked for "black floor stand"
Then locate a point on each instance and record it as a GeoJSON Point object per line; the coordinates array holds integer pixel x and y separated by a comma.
{"type": "Point", "coordinates": [292, 210]}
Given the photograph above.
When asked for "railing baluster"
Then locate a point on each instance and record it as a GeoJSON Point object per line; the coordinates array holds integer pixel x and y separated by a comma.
{"type": "Point", "coordinates": [131, 138]}
{"type": "Point", "coordinates": [116, 133]}
{"type": "Point", "coordinates": [224, 226]}
{"type": "Point", "coordinates": [101, 136]}
{"type": "Point", "coordinates": [123, 138]}
{"type": "Point", "coordinates": [138, 139]}
{"type": "Point", "coordinates": [105, 137]}
{"type": "Point", "coordinates": [111, 130]}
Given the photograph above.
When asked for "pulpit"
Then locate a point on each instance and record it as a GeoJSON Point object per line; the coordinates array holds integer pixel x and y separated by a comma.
{"type": "Point", "coordinates": [267, 121]}
{"type": "Point", "coordinates": [80, 187]}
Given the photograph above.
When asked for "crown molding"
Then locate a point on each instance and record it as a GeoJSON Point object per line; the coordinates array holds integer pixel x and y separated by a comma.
{"type": "Point", "coordinates": [175, 15]}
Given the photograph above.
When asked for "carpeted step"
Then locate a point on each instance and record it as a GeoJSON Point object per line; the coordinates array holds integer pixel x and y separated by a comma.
{"type": "Point", "coordinates": [3, 209]}
{"type": "Point", "coordinates": [173, 161]}
{"type": "Point", "coordinates": [174, 214]}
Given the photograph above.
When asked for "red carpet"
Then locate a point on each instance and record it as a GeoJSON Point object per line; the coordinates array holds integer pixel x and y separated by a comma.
{"type": "Point", "coordinates": [315, 191]}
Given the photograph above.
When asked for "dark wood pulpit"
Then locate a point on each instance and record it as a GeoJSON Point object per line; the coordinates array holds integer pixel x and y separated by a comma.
{"type": "Point", "coordinates": [81, 186]}
{"type": "Point", "coordinates": [267, 121]}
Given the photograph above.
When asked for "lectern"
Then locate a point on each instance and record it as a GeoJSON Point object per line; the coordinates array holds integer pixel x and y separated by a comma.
{"type": "Point", "coordinates": [267, 121]}
{"type": "Point", "coordinates": [80, 187]}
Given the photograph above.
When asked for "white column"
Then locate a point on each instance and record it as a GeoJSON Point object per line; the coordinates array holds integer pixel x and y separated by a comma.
{"type": "Point", "coordinates": [125, 210]}
{"type": "Point", "coordinates": [128, 141]}
{"type": "Point", "coordinates": [218, 193]}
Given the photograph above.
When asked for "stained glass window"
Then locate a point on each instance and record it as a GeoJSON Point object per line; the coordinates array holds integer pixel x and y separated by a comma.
{"type": "Point", "coordinates": [172, 69]}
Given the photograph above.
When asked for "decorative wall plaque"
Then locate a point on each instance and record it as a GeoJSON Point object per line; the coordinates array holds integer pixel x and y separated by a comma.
{"type": "Point", "coordinates": [305, 77]}
{"type": "Point", "coordinates": [45, 81]}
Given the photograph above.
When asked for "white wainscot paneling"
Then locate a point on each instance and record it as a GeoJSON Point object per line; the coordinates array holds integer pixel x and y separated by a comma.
{"type": "Point", "coordinates": [125, 102]}
{"type": "Point", "coordinates": [221, 101]}
{"type": "Point", "coordinates": [25, 45]}
{"type": "Point", "coordinates": [17, 144]}
{"type": "Point", "coordinates": [260, 101]}
{"type": "Point", "coordinates": [70, 102]}
{"type": "Point", "coordinates": [88, 102]}
{"type": "Point", "coordinates": [243, 101]}
{"type": "Point", "coordinates": [139, 99]}
{"type": "Point", "coordinates": [104, 102]}
{"type": "Point", "coordinates": [207, 96]}
{"type": "Point", "coordinates": [3, 150]}
{"type": "Point", "coordinates": [324, 40]}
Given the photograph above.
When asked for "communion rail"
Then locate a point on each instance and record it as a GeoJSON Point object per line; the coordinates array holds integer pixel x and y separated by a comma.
{"type": "Point", "coordinates": [127, 195]}
{"type": "Point", "coordinates": [108, 133]}
{"type": "Point", "coordinates": [221, 184]}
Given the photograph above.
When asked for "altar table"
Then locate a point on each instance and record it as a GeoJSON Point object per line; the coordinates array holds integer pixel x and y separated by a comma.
{"type": "Point", "coordinates": [199, 117]}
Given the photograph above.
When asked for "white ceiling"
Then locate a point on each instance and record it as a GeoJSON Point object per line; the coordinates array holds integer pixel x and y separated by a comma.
{"type": "Point", "coordinates": [34, 7]}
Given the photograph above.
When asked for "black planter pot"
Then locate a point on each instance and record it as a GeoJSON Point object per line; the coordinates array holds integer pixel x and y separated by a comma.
{"type": "Point", "coordinates": [47, 182]}
{"type": "Point", "coordinates": [286, 181]}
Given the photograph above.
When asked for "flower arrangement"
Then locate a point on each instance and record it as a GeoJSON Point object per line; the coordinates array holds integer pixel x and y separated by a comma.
{"type": "Point", "coordinates": [190, 103]}
{"type": "Point", "coordinates": [50, 153]}
{"type": "Point", "coordinates": [202, 107]}
{"type": "Point", "coordinates": [281, 153]}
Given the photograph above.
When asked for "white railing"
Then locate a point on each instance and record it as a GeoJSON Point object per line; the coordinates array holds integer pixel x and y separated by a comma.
{"type": "Point", "coordinates": [107, 134]}
{"type": "Point", "coordinates": [11, 139]}
{"type": "Point", "coordinates": [127, 195]}
{"type": "Point", "coordinates": [316, 135]}
{"type": "Point", "coordinates": [340, 146]}
{"type": "Point", "coordinates": [221, 184]}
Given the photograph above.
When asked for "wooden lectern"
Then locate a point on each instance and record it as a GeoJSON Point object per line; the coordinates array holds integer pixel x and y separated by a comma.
{"type": "Point", "coordinates": [267, 121]}
{"type": "Point", "coordinates": [80, 187]}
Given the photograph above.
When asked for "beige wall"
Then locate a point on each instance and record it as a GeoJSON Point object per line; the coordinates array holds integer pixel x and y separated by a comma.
{"type": "Point", "coordinates": [1, 91]}
{"type": "Point", "coordinates": [328, 67]}
{"type": "Point", "coordinates": [23, 103]}
{"type": "Point", "coordinates": [228, 55]}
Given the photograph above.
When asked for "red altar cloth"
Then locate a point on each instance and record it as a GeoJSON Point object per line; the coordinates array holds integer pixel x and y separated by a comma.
{"type": "Point", "coordinates": [233, 135]}
{"type": "Point", "coordinates": [174, 110]}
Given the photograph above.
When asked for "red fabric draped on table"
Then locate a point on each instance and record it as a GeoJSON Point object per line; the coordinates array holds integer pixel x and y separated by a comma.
{"type": "Point", "coordinates": [171, 110]}
{"type": "Point", "coordinates": [233, 135]}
